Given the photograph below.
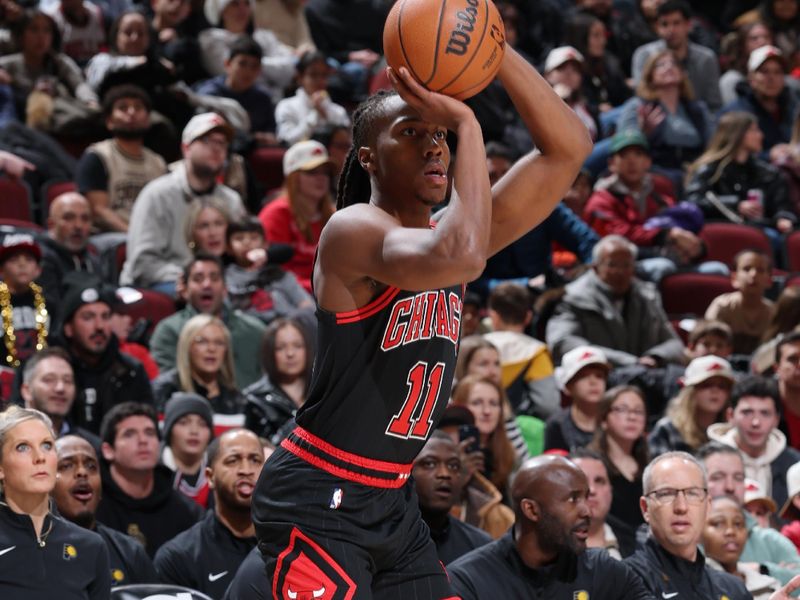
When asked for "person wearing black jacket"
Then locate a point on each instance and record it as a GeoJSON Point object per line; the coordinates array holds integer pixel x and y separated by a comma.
{"type": "Point", "coordinates": [206, 556]}
{"type": "Point", "coordinates": [138, 498]}
{"type": "Point", "coordinates": [544, 555]}
{"type": "Point", "coordinates": [42, 556]}
{"type": "Point", "coordinates": [77, 494]}
{"type": "Point", "coordinates": [104, 376]}
{"type": "Point", "coordinates": [674, 504]}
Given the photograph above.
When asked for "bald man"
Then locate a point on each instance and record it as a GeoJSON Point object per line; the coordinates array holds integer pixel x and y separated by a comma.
{"type": "Point", "coordinates": [66, 246]}
{"type": "Point", "coordinates": [77, 494]}
{"type": "Point", "coordinates": [544, 555]}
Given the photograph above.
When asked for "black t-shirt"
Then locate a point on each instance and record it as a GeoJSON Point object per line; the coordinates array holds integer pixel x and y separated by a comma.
{"type": "Point", "coordinates": [456, 539]}
{"type": "Point", "coordinates": [91, 174]}
{"type": "Point", "coordinates": [562, 433]}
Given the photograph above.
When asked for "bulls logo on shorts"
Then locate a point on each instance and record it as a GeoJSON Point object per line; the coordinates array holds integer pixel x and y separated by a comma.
{"type": "Point", "coordinates": [304, 571]}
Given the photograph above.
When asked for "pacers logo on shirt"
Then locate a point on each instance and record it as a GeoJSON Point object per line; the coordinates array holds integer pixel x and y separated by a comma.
{"type": "Point", "coordinates": [69, 552]}
{"type": "Point", "coordinates": [580, 595]}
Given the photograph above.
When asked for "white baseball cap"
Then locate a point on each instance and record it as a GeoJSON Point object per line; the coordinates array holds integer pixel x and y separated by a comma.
{"type": "Point", "coordinates": [760, 55]}
{"type": "Point", "coordinates": [199, 125]}
{"type": "Point", "coordinates": [305, 156]}
{"type": "Point", "coordinates": [788, 510]}
{"type": "Point", "coordinates": [559, 56]}
{"type": "Point", "coordinates": [706, 367]}
{"type": "Point", "coordinates": [575, 360]}
{"type": "Point", "coordinates": [753, 492]}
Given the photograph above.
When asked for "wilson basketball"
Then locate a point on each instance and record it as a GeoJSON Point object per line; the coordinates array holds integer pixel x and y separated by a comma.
{"type": "Point", "coordinates": [453, 47]}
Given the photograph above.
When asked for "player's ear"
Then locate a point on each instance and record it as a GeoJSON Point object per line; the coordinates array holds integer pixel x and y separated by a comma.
{"type": "Point", "coordinates": [366, 159]}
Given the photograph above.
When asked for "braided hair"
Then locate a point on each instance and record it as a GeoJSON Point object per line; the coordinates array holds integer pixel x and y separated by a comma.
{"type": "Point", "coordinates": [354, 185]}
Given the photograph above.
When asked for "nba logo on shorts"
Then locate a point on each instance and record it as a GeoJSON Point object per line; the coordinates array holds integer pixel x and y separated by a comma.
{"type": "Point", "coordinates": [336, 499]}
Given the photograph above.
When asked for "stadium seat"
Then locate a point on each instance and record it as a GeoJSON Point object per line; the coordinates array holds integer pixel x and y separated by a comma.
{"type": "Point", "coordinates": [15, 225]}
{"type": "Point", "coordinates": [154, 306]}
{"type": "Point", "coordinates": [15, 200]}
{"type": "Point", "coordinates": [267, 166]}
{"type": "Point", "coordinates": [793, 251]}
{"type": "Point", "coordinates": [689, 294]}
{"type": "Point", "coordinates": [725, 240]}
{"type": "Point", "coordinates": [52, 190]}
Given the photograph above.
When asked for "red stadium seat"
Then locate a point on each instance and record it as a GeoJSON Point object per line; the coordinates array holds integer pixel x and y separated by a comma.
{"type": "Point", "coordinates": [689, 294]}
{"type": "Point", "coordinates": [154, 306]}
{"type": "Point", "coordinates": [15, 200]}
{"type": "Point", "coordinates": [793, 251]}
{"type": "Point", "coordinates": [267, 166]}
{"type": "Point", "coordinates": [52, 190]}
{"type": "Point", "coordinates": [725, 240]}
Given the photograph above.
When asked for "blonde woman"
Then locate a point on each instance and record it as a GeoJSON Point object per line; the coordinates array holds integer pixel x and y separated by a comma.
{"type": "Point", "coordinates": [44, 556]}
{"type": "Point", "coordinates": [206, 225]}
{"type": "Point", "coordinates": [204, 360]}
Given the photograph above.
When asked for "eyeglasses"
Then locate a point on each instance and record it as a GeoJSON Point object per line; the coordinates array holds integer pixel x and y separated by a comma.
{"type": "Point", "coordinates": [201, 341]}
{"type": "Point", "coordinates": [692, 495]}
{"type": "Point", "coordinates": [624, 411]}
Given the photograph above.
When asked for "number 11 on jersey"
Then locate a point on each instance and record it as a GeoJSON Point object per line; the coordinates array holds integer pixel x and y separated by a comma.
{"type": "Point", "coordinates": [414, 418]}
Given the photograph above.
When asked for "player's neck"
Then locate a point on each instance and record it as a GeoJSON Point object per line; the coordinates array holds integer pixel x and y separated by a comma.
{"type": "Point", "coordinates": [410, 214]}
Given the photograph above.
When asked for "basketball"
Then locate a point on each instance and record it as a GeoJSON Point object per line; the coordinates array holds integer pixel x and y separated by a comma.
{"type": "Point", "coordinates": [453, 47]}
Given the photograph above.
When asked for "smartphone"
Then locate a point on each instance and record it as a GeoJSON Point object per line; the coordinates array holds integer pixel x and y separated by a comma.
{"type": "Point", "coordinates": [466, 432]}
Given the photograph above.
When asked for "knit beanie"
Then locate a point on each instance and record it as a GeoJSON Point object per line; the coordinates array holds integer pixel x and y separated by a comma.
{"type": "Point", "coordinates": [186, 403]}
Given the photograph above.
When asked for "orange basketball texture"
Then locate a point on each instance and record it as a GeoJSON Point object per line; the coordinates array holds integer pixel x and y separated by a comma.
{"type": "Point", "coordinates": [453, 47]}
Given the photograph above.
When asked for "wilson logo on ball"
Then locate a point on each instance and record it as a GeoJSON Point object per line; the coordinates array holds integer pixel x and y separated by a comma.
{"type": "Point", "coordinates": [459, 37]}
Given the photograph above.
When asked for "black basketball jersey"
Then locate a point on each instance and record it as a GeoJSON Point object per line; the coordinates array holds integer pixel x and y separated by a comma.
{"type": "Point", "coordinates": [382, 377]}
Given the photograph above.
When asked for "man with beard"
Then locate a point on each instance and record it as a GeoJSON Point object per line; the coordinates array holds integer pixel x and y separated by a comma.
{"type": "Point", "coordinates": [111, 173]}
{"type": "Point", "coordinates": [206, 556]}
{"type": "Point", "coordinates": [544, 555]}
{"type": "Point", "coordinates": [157, 248]}
{"type": "Point", "coordinates": [439, 478]}
{"type": "Point", "coordinates": [104, 376]}
{"type": "Point", "coordinates": [77, 494]}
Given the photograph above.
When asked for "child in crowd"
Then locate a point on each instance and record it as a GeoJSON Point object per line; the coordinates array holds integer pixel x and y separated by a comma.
{"type": "Point", "coordinates": [311, 106]}
{"type": "Point", "coordinates": [746, 310]}
{"type": "Point", "coordinates": [582, 376]}
{"type": "Point", "coordinates": [188, 429]}
{"type": "Point", "coordinates": [710, 337]}
{"type": "Point", "coordinates": [790, 511]}
{"type": "Point", "coordinates": [25, 321]}
{"type": "Point", "coordinates": [261, 288]}
{"type": "Point", "coordinates": [759, 504]}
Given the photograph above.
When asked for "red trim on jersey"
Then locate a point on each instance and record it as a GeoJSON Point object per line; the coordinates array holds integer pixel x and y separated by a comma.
{"type": "Point", "coordinates": [370, 309]}
{"type": "Point", "coordinates": [337, 471]}
{"type": "Point", "coordinates": [355, 459]}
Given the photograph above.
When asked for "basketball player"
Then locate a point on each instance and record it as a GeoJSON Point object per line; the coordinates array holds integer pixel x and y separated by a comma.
{"type": "Point", "coordinates": [334, 513]}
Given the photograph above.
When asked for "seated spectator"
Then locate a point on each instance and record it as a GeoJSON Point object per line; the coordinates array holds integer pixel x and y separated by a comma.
{"type": "Point", "coordinates": [673, 23]}
{"type": "Point", "coordinates": [273, 400]}
{"type": "Point", "coordinates": [746, 310]}
{"type": "Point", "coordinates": [724, 538]}
{"type": "Point", "coordinates": [122, 326]}
{"type": "Point", "coordinates": [601, 534]}
{"type": "Point", "coordinates": [206, 227]}
{"type": "Point", "coordinates": [188, 429]}
{"type": "Point", "coordinates": [239, 81]}
{"type": "Point", "coordinates": [76, 496]}
{"type": "Point", "coordinates": [785, 320]}
{"type": "Point", "coordinates": [766, 96]}
{"type": "Point", "coordinates": [256, 284]}
{"type": "Point", "coordinates": [752, 427]}
{"type": "Point", "coordinates": [111, 173]}
{"type": "Point", "coordinates": [48, 385]}
{"type": "Point", "coordinates": [203, 290]}
{"type": "Point", "coordinates": [39, 538]}
{"type": "Point", "coordinates": [552, 525]}
{"type": "Point", "coordinates": [66, 247]}
{"type": "Point", "coordinates": [730, 182]}
{"type": "Point", "coordinates": [311, 106]}
{"type": "Point", "coordinates": [702, 401]}
{"type": "Point", "coordinates": [526, 366]}
{"type": "Point", "coordinates": [746, 38]}
{"type": "Point", "coordinates": [286, 19]}
{"type": "Point", "coordinates": [299, 214]}
{"type": "Point", "coordinates": [484, 399]}
{"type": "Point", "coordinates": [626, 202]}
{"type": "Point", "coordinates": [138, 498]}
{"type": "Point", "coordinates": [204, 360]}
{"type": "Point", "coordinates": [759, 504]}
{"type": "Point", "coordinates": [232, 30]}
{"type": "Point", "coordinates": [438, 480]}
{"type": "Point", "coordinates": [206, 556]}
{"type": "Point", "coordinates": [104, 376]}
{"type": "Point", "coordinates": [337, 140]}
{"type": "Point", "coordinates": [563, 70]}
{"type": "Point", "coordinates": [156, 247]}
{"type": "Point", "coordinates": [783, 19]}
{"type": "Point", "coordinates": [63, 102]}
{"type": "Point", "coordinates": [787, 361]}
{"type": "Point", "coordinates": [709, 337]}
{"type": "Point", "coordinates": [82, 28]}
{"type": "Point", "coordinates": [621, 442]}
{"type": "Point", "coordinates": [676, 125]}
{"type": "Point", "coordinates": [582, 378]}
{"type": "Point", "coordinates": [790, 511]}
{"type": "Point", "coordinates": [608, 309]}
{"type": "Point", "coordinates": [176, 40]}
{"type": "Point", "coordinates": [26, 322]}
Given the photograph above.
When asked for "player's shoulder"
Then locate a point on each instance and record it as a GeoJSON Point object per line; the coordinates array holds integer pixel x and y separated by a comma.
{"type": "Point", "coordinates": [361, 219]}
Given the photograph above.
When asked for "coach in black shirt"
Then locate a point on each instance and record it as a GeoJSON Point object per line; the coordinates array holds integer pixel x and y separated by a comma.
{"type": "Point", "coordinates": [77, 494]}
{"type": "Point", "coordinates": [206, 556]}
{"type": "Point", "coordinates": [544, 555]}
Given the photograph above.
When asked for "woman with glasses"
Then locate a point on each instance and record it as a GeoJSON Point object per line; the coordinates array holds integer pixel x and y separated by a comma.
{"type": "Point", "coordinates": [702, 401]}
{"type": "Point", "coordinates": [620, 440]}
{"type": "Point", "coordinates": [204, 366]}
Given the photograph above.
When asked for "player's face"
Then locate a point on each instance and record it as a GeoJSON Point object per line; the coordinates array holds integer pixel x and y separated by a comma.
{"type": "Point", "coordinates": [207, 351]}
{"type": "Point", "coordinates": [51, 388]}
{"type": "Point", "coordinates": [437, 475]}
{"type": "Point", "coordinates": [235, 471]}
{"type": "Point", "coordinates": [78, 489]}
{"type": "Point", "coordinates": [135, 445]}
{"type": "Point", "coordinates": [290, 352]}
{"type": "Point", "coordinates": [190, 436]}
{"type": "Point", "coordinates": [411, 157]}
{"type": "Point", "coordinates": [485, 404]}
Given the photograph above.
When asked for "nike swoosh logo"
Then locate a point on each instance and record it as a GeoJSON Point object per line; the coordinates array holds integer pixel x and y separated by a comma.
{"type": "Point", "coordinates": [212, 577]}
{"type": "Point", "coordinates": [6, 550]}
{"type": "Point", "coordinates": [668, 596]}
